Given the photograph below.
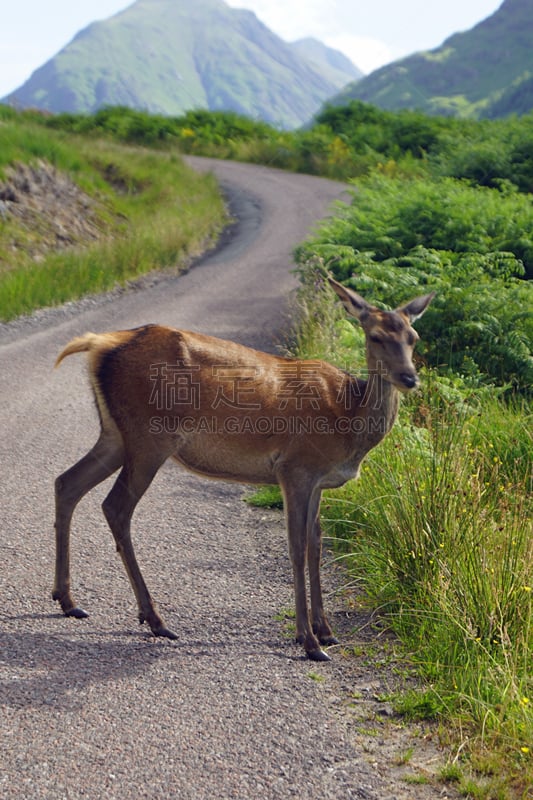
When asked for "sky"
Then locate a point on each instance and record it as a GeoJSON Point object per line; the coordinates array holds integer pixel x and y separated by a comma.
{"type": "Point", "coordinates": [370, 32]}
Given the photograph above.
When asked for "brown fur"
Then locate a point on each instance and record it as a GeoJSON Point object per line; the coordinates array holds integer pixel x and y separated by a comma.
{"type": "Point", "coordinates": [226, 411]}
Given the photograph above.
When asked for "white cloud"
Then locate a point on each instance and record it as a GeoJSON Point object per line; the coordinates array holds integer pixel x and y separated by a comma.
{"type": "Point", "coordinates": [366, 53]}
{"type": "Point", "coordinates": [291, 19]}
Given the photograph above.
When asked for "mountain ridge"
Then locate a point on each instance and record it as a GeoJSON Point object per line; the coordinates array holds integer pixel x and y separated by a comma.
{"type": "Point", "coordinates": [468, 75]}
{"type": "Point", "coordinates": [170, 56]}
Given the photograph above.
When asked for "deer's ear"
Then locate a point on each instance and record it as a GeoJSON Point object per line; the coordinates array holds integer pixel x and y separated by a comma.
{"type": "Point", "coordinates": [417, 307]}
{"type": "Point", "coordinates": [354, 304]}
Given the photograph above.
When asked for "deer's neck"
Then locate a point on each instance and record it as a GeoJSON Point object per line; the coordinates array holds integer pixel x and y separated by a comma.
{"type": "Point", "coordinates": [378, 408]}
{"type": "Point", "coordinates": [372, 407]}
{"type": "Point", "coordinates": [384, 401]}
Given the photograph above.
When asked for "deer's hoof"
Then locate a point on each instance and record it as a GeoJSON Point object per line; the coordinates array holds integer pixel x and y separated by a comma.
{"type": "Point", "coordinates": [77, 613]}
{"type": "Point", "coordinates": [327, 641]}
{"type": "Point", "coordinates": [165, 633]}
{"type": "Point", "coordinates": [318, 655]}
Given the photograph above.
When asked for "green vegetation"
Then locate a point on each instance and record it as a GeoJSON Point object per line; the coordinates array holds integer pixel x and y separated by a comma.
{"type": "Point", "coordinates": [344, 143]}
{"type": "Point", "coordinates": [148, 211]}
{"type": "Point", "coordinates": [266, 497]}
{"type": "Point", "coordinates": [403, 237]}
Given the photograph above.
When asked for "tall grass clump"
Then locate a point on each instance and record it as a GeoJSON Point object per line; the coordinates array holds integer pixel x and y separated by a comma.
{"type": "Point", "coordinates": [438, 530]}
{"type": "Point", "coordinates": [24, 138]}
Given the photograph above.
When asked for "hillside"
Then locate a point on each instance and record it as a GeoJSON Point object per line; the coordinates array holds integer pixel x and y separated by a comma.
{"type": "Point", "coordinates": [332, 64]}
{"type": "Point", "coordinates": [169, 56]}
{"type": "Point", "coordinates": [485, 71]}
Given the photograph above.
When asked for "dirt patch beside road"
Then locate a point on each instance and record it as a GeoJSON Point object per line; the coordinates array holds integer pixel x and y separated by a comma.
{"type": "Point", "coordinates": [52, 212]}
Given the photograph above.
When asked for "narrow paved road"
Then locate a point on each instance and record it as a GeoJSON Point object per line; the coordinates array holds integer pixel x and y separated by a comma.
{"type": "Point", "coordinates": [98, 708]}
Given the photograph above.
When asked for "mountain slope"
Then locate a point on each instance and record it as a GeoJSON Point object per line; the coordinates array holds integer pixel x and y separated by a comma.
{"type": "Point", "coordinates": [467, 75]}
{"type": "Point", "coordinates": [332, 64]}
{"type": "Point", "coordinates": [169, 56]}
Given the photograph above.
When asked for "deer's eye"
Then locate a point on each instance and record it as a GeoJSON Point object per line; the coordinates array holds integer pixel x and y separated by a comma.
{"type": "Point", "coordinates": [375, 338]}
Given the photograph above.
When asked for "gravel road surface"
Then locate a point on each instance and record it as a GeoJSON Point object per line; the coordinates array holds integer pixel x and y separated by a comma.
{"type": "Point", "coordinates": [98, 708]}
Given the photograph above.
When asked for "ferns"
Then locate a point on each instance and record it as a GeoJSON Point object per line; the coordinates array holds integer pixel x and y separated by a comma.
{"type": "Point", "coordinates": [401, 237]}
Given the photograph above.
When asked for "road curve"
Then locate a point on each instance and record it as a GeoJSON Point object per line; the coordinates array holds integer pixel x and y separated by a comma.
{"type": "Point", "coordinates": [98, 708]}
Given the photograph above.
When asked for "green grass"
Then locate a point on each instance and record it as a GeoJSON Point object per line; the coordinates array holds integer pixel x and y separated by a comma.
{"type": "Point", "coordinates": [152, 211]}
{"type": "Point", "coordinates": [266, 497]}
{"type": "Point", "coordinates": [438, 533]}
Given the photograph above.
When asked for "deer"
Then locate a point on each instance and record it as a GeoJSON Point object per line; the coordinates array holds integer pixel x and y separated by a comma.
{"type": "Point", "coordinates": [228, 412]}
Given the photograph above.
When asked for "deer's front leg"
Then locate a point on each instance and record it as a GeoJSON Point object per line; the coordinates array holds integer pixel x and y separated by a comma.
{"type": "Point", "coordinates": [296, 511]}
{"type": "Point", "coordinates": [321, 626]}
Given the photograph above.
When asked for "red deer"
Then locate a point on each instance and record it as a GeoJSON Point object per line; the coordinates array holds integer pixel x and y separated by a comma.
{"type": "Point", "coordinates": [226, 411]}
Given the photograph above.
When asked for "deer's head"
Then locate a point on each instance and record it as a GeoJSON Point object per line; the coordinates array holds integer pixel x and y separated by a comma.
{"type": "Point", "coordinates": [390, 338]}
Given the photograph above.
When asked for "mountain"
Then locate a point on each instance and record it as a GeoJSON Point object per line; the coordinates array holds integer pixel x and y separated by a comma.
{"type": "Point", "coordinates": [170, 56]}
{"type": "Point", "coordinates": [331, 63]}
{"type": "Point", "coordinates": [484, 72]}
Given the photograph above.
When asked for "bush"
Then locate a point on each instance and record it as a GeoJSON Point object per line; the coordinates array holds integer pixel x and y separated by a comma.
{"type": "Point", "coordinates": [390, 134]}
{"type": "Point", "coordinates": [401, 238]}
{"type": "Point", "coordinates": [138, 127]}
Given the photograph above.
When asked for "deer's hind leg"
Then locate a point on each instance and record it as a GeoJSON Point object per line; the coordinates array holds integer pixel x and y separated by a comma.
{"type": "Point", "coordinates": [118, 507]}
{"type": "Point", "coordinates": [105, 458]}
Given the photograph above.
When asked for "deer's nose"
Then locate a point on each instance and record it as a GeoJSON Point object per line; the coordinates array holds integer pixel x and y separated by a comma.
{"type": "Point", "coordinates": [409, 380]}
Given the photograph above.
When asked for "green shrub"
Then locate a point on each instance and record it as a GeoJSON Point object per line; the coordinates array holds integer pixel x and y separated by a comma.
{"type": "Point", "coordinates": [206, 128]}
{"type": "Point", "coordinates": [390, 134]}
{"type": "Point", "coordinates": [472, 246]}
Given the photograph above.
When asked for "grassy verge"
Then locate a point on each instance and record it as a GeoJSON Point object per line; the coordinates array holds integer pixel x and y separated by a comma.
{"type": "Point", "coordinates": [438, 532]}
{"type": "Point", "coordinates": [150, 212]}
